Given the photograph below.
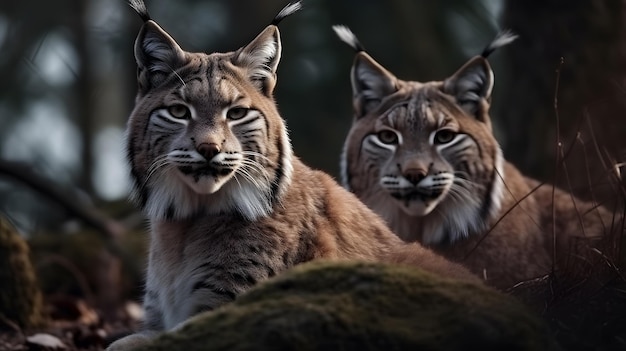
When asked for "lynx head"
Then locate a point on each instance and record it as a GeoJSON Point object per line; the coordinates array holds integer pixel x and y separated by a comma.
{"type": "Point", "coordinates": [205, 135]}
{"type": "Point", "coordinates": [424, 150]}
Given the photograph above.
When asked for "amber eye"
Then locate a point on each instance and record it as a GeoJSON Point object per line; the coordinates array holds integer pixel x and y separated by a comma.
{"type": "Point", "coordinates": [388, 137]}
{"type": "Point", "coordinates": [236, 113]}
{"type": "Point", "coordinates": [179, 111]}
{"type": "Point", "coordinates": [444, 136]}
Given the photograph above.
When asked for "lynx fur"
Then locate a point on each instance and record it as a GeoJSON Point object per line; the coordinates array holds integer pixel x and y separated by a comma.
{"type": "Point", "coordinates": [228, 202]}
{"type": "Point", "coordinates": [423, 156]}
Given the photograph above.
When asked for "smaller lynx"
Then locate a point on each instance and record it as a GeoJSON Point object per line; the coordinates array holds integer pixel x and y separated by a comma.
{"type": "Point", "coordinates": [423, 156]}
{"type": "Point", "coordinates": [228, 202]}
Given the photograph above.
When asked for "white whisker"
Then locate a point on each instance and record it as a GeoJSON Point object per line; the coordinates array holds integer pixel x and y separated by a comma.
{"type": "Point", "coordinates": [159, 163]}
{"type": "Point", "coordinates": [256, 154]}
{"type": "Point", "coordinates": [249, 177]}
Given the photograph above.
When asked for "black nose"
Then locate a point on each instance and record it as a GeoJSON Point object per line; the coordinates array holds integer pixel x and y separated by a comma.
{"type": "Point", "coordinates": [414, 175]}
{"type": "Point", "coordinates": [208, 150]}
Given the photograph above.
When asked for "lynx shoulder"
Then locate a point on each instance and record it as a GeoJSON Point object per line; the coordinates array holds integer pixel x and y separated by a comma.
{"type": "Point", "coordinates": [423, 156]}
{"type": "Point", "coordinates": [229, 203]}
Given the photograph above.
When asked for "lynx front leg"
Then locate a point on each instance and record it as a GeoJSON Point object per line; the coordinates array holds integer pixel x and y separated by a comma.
{"type": "Point", "coordinates": [153, 325]}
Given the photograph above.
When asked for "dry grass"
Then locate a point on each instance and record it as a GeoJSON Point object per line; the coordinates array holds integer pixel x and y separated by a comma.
{"type": "Point", "coordinates": [585, 303]}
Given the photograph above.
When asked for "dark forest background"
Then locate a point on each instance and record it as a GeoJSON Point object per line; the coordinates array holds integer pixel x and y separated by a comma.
{"type": "Point", "coordinates": [67, 85]}
{"type": "Point", "coordinates": [68, 80]}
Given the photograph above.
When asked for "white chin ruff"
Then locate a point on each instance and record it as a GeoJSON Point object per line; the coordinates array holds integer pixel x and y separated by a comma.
{"type": "Point", "coordinates": [174, 199]}
{"type": "Point", "coordinates": [417, 208]}
{"type": "Point", "coordinates": [205, 184]}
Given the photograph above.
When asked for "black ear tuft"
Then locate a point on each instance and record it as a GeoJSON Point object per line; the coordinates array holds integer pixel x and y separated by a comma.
{"type": "Point", "coordinates": [345, 34]}
{"type": "Point", "coordinates": [287, 11]}
{"type": "Point", "coordinates": [140, 7]}
{"type": "Point", "coordinates": [503, 38]}
{"type": "Point", "coordinates": [371, 82]}
{"type": "Point", "coordinates": [261, 56]}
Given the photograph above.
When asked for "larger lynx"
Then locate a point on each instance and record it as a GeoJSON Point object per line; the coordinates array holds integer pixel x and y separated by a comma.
{"type": "Point", "coordinates": [422, 155]}
{"type": "Point", "coordinates": [228, 202]}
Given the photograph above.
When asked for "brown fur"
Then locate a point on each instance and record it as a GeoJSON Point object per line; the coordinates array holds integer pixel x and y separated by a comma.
{"type": "Point", "coordinates": [229, 205]}
{"type": "Point", "coordinates": [487, 218]}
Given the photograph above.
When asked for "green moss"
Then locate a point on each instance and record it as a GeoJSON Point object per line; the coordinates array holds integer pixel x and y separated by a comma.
{"type": "Point", "coordinates": [359, 306]}
{"type": "Point", "coordinates": [21, 301]}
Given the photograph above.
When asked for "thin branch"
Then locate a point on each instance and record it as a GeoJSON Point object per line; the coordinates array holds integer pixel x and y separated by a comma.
{"type": "Point", "coordinates": [558, 153]}
{"type": "Point", "coordinates": [74, 271]}
{"type": "Point", "coordinates": [500, 219]}
{"type": "Point", "coordinates": [110, 229]}
{"type": "Point", "coordinates": [88, 214]}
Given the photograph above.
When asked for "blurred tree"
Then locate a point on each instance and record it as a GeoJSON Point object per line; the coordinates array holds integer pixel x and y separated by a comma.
{"type": "Point", "coordinates": [70, 64]}
{"type": "Point", "coordinates": [417, 40]}
{"type": "Point", "coordinates": [589, 36]}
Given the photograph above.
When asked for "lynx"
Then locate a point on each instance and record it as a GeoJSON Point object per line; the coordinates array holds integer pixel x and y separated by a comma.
{"type": "Point", "coordinates": [423, 156]}
{"type": "Point", "coordinates": [229, 204]}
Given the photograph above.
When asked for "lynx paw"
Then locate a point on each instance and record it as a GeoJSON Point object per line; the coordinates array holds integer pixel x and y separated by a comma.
{"type": "Point", "coordinates": [131, 342]}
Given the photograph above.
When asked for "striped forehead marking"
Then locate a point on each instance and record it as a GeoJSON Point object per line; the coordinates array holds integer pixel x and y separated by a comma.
{"type": "Point", "coordinates": [414, 114]}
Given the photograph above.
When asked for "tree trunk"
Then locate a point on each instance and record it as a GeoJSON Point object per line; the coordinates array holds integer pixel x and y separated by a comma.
{"type": "Point", "coordinates": [85, 90]}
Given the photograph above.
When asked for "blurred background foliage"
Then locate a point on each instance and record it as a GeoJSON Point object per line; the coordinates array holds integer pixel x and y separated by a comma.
{"type": "Point", "coordinates": [67, 86]}
{"type": "Point", "coordinates": [68, 83]}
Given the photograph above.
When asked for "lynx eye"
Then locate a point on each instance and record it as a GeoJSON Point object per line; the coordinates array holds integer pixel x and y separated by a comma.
{"type": "Point", "coordinates": [179, 111]}
{"type": "Point", "coordinates": [444, 136]}
{"type": "Point", "coordinates": [388, 137]}
{"type": "Point", "coordinates": [236, 113]}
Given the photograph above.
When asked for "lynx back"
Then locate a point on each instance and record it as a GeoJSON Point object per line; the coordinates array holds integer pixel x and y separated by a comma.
{"type": "Point", "coordinates": [423, 156]}
{"type": "Point", "coordinates": [229, 204]}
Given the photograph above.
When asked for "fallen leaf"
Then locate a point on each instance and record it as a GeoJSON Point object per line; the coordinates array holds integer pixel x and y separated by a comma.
{"type": "Point", "coordinates": [45, 342]}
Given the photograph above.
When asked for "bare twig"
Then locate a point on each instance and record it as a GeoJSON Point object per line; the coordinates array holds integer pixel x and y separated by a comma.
{"type": "Point", "coordinates": [74, 271]}
{"type": "Point", "coordinates": [76, 208]}
{"type": "Point", "coordinates": [558, 153]}
{"type": "Point", "coordinates": [500, 219]}
{"type": "Point", "coordinates": [110, 229]}
{"type": "Point", "coordinates": [11, 324]}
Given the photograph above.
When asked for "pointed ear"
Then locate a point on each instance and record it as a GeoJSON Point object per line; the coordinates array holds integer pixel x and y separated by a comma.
{"type": "Point", "coordinates": [471, 85]}
{"type": "Point", "coordinates": [371, 83]}
{"type": "Point", "coordinates": [157, 56]}
{"type": "Point", "coordinates": [260, 59]}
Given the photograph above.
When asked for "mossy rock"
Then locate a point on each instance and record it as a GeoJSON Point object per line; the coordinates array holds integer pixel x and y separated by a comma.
{"type": "Point", "coordinates": [361, 306]}
{"type": "Point", "coordinates": [21, 300]}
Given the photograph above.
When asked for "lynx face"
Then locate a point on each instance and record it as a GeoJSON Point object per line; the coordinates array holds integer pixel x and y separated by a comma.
{"type": "Point", "coordinates": [205, 135]}
{"type": "Point", "coordinates": [415, 144]}
{"type": "Point", "coordinates": [424, 150]}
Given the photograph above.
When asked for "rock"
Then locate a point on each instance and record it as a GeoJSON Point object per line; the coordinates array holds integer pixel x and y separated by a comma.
{"type": "Point", "coordinates": [363, 306]}
{"type": "Point", "coordinates": [21, 301]}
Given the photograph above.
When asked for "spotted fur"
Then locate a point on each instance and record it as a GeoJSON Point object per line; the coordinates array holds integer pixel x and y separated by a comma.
{"type": "Point", "coordinates": [228, 202]}
{"type": "Point", "coordinates": [423, 156]}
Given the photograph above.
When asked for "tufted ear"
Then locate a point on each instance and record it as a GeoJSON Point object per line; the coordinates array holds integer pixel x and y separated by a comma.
{"type": "Point", "coordinates": [260, 59]}
{"type": "Point", "coordinates": [371, 83]}
{"type": "Point", "coordinates": [471, 86]}
{"type": "Point", "coordinates": [157, 56]}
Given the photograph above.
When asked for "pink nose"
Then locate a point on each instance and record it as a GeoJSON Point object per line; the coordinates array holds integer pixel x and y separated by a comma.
{"type": "Point", "coordinates": [208, 150]}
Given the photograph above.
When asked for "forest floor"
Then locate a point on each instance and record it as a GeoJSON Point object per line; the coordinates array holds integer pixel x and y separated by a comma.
{"type": "Point", "coordinates": [582, 318]}
{"type": "Point", "coordinates": [73, 325]}
{"type": "Point", "coordinates": [591, 321]}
